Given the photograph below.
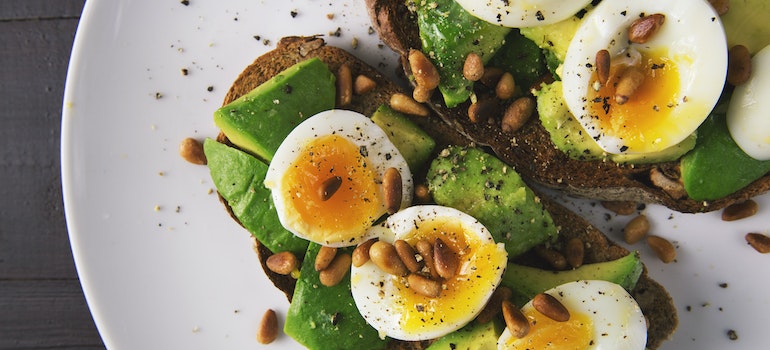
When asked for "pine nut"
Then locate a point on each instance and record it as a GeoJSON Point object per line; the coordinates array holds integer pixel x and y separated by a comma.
{"type": "Point", "coordinates": [406, 104]}
{"type": "Point", "coordinates": [445, 258]}
{"type": "Point", "coordinates": [282, 263]}
{"type": "Point", "coordinates": [720, 6]}
{"type": "Point", "coordinates": [422, 193]}
{"type": "Point", "coordinates": [550, 307]}
{"type": "Point", "coordinates": [629, 81]}
{"type": "Point", "coordinates": [424, 286]}
{"type": "Point", "coordinates": [344, 85]}
{"type": "Point", "coordinates": [324, 257]}
{"type": "Point", "coordinates": [602, 66]}
{"type": "Point", "coordinates": [336, 271]}
{"type": "Point", "coordinates": [361, 253]}
{"type": "Point", "coordinates": [421, 94]}
{"type": "Point", "coordinates": [407, 255]}
{"type": "Point", "coordinates": [363, 85]}
{"type": "Point", "coordinates": [759, 242]}
{"type": "Point", "coordinates": [620, 207]}
{"type": "Point", "coordinates": [517, 114]}
{"type": "Point", "coordinates": [473, 68]}
{"type": "Point", "coordinates": [636, 229]}
{"type": "Point", "coordinates": [425, 73]}
{"type": "Point", "coordinates": [426, 251]}
{"type": "Point", "coordinates": [553, 257]}
{"type": "Point", "coordinates": [574, 252]}
{"type": "Point", "coordinates": [494, 305]}
{"type": "Point", "coordinates": [268, 327]}
{"type": "Point", "coordinates": [738, 65]}
{"type": "Point", "coordinates": [393, 191]}
{"type": "Point", "coordinates": [662, 248]}
{"type": "Point", "coordinates": [515, 321]}
{"type": "Point", "coordinates": [740, 210]}
{"type": "Point", "coordinates": [191, 150]}
{"type": "Point", "coordinates": [642, 29]}
{"type": "Point", "coordinates": [506, 87]}
{"type": "Point", "coordinates": [329, 187]}
{"type": "Point", "coordinates": [483, 110]}
{"type": "Point", "coordinates": [384, 255]}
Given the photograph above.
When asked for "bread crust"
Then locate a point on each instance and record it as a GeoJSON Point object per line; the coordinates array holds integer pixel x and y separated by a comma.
{"type": "Point", "coordinates": [653, 299]}
{"type": "Point", "coordinates": [530, 150]}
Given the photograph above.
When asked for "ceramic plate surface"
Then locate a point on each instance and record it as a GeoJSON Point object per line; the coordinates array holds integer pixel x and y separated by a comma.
{"type": "Point", "coordinates": [162, 264]}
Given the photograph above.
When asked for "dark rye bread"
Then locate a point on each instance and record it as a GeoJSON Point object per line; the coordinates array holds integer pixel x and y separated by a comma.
{"type": "Point", "coordinates": [652, 297]}
{"type": "Point", "coordinates": [530, 149]}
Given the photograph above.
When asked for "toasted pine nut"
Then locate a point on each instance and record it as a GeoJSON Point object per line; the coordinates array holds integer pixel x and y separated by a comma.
{"type": "Point", "coordinates": [494, 305]}
{"type": "Point", "coordinates": [674, 188]}
{"type": "Point", "coordinates": [393, 190]}
{"type": "Point", "coordinates": [515, 321]}
{"type": "Point", "coordinates": [620, 207]}
{"type": "Point", "coordinates": [424, 286]}
{"type": "Point", "coordinates": [422, 193]}
{"type": "Point", "coordinates": [602, 66]}
{"type": "Point", "coordinates": [282, 263]}
{"type": "Point", "coordinates": [344, 85]}
{"type": "Point", "coordinates": [550, 307]}
{"type": "Point", "coordinates": [574, 252]}
{"type": "Point", "coordinates": [384, 255]}
{"type": "Point", "coordinates": [268, 327]}
{"type": "Point", "coordinates": [324, 257]}
{"type": "Point", "coordinates": [720, 6]}
{"type": "Point", "coordinates": [191, 150]}
{"type": "Point", "coordinates": [336, 271]}
{"type": "Point", "coordinates": [425, 73]}
{"type": "Point", "coordinates": [759, 242]}
{"type": "Point", "coordinates": [553, 257]}
{"type": "Point", "coordinates": [517, 114]}
{"type": "Point", "coordinates": [363, 84]}
{"type": "Point", "coordinates": [629, 81]}
{"type": "Point", "coordinates": [636, 229]}
{"type": "Point", "coordinates": [473, 68]}
{"type": "Point", "coordinates": [406, 104]}
{"type": "Point", "coordinates": [506, 87]}
{"type": "Point", "coordinates": [662, 248]}
{"type": "Point", "coordinates": [361, 253]}
{"type": "Point", "coordinates": [407, 255]}
{"type": "Point", "coordinates": [329, 187]}
{"type": "Point", "coordinates": [738, 65]}
{"type": "Point", "coordinates": [421, 94]}
{"type": "Point", "coordinates": [740, 210]}
{"type": "Point", "coordinates": [426, 251]}
{"type": "Point", "coordinates": [642, 29]}
{"type": "Point", "coordinates": [445, 258]}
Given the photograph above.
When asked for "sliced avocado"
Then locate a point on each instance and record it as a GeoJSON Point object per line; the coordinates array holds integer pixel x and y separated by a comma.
{"type": "Point", "coordinates": [238, 177]}
{"type": "Point", "coordinates": [746, 24]}
{"type": "Point", "coordinates": [321, 317]}
{"type": "Point", "coordinates": [522, 58]}
{"type": "Point", "coordinates": [414, 143]}
{"type": "Point", "coordinates": [554, 38]}
{"type": "Point", "coordinates": [474, 336]}
{"type": "Point", "coordinates": [259, 121]}
{"type": "Point", "coordinates": [526, 282]}
{"type": "Point", "coordinates": [717, 166]}
{"type": "Point", "coordinates": [484, 187]}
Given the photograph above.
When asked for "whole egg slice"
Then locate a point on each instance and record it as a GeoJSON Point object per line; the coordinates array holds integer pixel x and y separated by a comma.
{"type": "Point", "coordinates": [393, 308]}
{"type": "Point", "coordinates": [523, 13]}
{"type": "Point", "coordinates": [603, 316]}
{"type": "Point", "coordinates": [334, 146]}
{"type": "Point", "coordinates": [747, 114]}
{"type": "Point", "coordinates": [684, 66]}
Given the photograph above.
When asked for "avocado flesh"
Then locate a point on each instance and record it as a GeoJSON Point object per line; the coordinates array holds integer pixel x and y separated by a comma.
{"type": "Point", "coordinates": [322, 317]}
{"type": "Point", "coordinates": [746, 23]}
{"type": "Point", "coordinates": [411, 141]}
{"type": "Point", "coordinates": [238, 178]}
{"type": "Point", "coordinates": [474, 336]}
{"type": "Point", "coordinates": [525, 282]}
{"type": "Point", "coordinates": [477, 183]}
{"type": "Point", "coordinates": [258, 121]}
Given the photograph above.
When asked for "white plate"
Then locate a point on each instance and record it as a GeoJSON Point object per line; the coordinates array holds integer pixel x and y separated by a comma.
{"type": "Point", "coordinates": [161, 263]}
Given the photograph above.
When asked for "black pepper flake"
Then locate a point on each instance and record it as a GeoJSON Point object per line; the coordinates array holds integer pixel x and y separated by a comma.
{"type": "Point", "coordinates": [658, 66]}
{"type": "Point", "coordinates": [185, 2]}
{"type": "Point", "coordinates": [336, 318]}
{"type": "Point", "coordinates": [287, 89]}
{"type": "Point", "coordinates": [732, 334]}
{"type": "Point", "coordinates": [158, 95]}
{"type": "Point", "coordinates": [539, 16]}
{"type": "Point", "coordinates": [210, 88]}
{"type": "Point", "coordinates": [363, 151]}
{"type": "Point", "coordinates": [185, 71]}
{"type": "Point", "coordinates": [624, 148]}
{"type": "Point", "coordinates": [293, 13]}
{"type": "Point", "coordinates": [337, 32]}
{"type": "Point", "coordinates": [723, 285]}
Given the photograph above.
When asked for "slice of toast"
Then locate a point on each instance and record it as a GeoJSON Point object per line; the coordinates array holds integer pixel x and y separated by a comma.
{"type": "Point", "coordinates": [531, 151]}
{"type": "Point", "coordinates": [652, 297]}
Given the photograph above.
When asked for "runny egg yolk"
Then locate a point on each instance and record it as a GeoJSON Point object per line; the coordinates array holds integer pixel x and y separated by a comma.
{"type": "Point", "coordinates": [648, 114]}
{"type": "Point", "coordinates": [355, 205]}
{"type": "Point", "coordinates": [545, 333]}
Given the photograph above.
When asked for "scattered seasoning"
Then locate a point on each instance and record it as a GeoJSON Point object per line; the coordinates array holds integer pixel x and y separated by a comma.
{"type": "Point", "coordinates": [293, 13]}
{"type": "Point", "coordinates": [210, 88]}
{"type": "Point", "coordinates": [371, 30]}
{"type": "Point", "coordinates": [337, 32]}
{"type": "Point", "coordinates": [330, 16]}
{"type": "Point", "coordinates": [688, 308]}
{"type": "Point", "coordinates": [158, 95]}
{"type": "Point", "coordinates": [732, 334]}
{"type": "Point", "coordinates": [723, 285]}
{"type": "Point", "coordinates": [185, 71]}
{"type": "Point", "coordinates": [185, 2]}
{"type": "Point", "coordinates": [257, 37]}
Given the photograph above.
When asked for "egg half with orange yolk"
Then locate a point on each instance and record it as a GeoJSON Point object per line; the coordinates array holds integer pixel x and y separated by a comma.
{"type": "Point", "coordinates": [326, 177]}
{"type": "Point", "coordinates": [603, 316]}
{"type": "Point", "coordinates": [395, 310]}
{"type": "Point", "coordinates": [684, 65]}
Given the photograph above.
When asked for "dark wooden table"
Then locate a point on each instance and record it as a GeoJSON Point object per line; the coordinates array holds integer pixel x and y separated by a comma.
{"type": "Point", "coordinates": [41, 301]}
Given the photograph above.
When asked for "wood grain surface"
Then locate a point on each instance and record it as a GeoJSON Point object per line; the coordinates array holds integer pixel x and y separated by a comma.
{"type": "Point", "coordinates": [41, 301]}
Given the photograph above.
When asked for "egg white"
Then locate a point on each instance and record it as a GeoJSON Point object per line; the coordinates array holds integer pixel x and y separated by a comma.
{"type": "Point", "coordinates": [359, 130]}
{"type": "Point", "coordinates": [523, 13]}
{"type": "Point", "coordinates": [617, 319]}
{"type": "Point", "coordinates": [693, 38]}
{"type": "Point", "coordinates": [381, 301]}
{"type": "Point", "coordinates": [747, 114]}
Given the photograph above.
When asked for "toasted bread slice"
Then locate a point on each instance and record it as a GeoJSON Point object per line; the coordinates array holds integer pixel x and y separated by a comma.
{"type": "Point", "coordinates": [531, 151]}
{"type": "Point", "coordinates": [652, 297]}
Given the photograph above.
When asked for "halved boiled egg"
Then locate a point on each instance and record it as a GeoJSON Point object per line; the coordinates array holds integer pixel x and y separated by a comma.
{"type": "Point", "coordinates": [523, 13]}
{"type": "Point", "coordinates": [747, 117]}
{"type": "Point", "coordinates": [326, 177]}
{"type": "Point", "coordinates": [392, 306]}
{"type": "Point", "coordinates": [602, 316]}
{"type": "Point", "coordinates": [683, 68]}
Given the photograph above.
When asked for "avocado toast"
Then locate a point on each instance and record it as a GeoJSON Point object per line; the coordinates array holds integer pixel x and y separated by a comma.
{"type": "Point", "coordinates": [653, 299]}
{"type": "Point", "coordinates": [533, 150]}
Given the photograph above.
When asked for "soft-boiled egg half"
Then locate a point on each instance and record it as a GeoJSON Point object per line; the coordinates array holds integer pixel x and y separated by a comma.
{"type": "Point", "coordinates": [396, 310]}
{"type": "Point", "coordinates": [326, 177]}
{"type": "Point", "coordinates": [683, 66]}
{"type": "Point", "coordinates": [603, 316]}
{"type": "Point", "coordinates": [747, 114]}
{"type": "Point", "coordinates": [523, 13]}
